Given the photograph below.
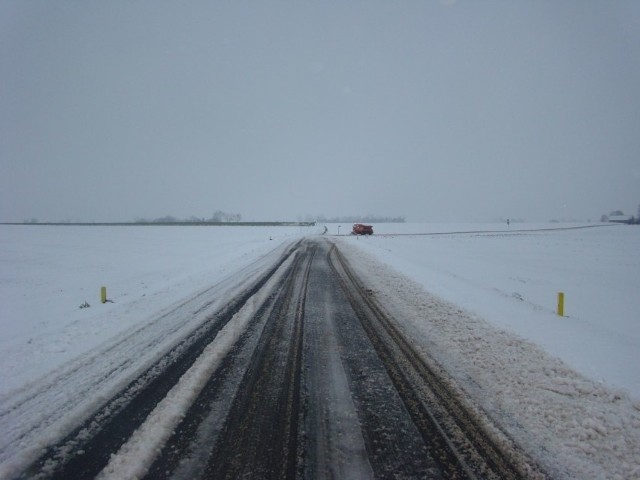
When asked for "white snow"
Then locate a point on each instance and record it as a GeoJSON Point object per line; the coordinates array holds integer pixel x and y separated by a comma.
{"type": "Point", "coordinates": [136, 456]}
{"type": "Point", "coordinates": [511, 278]}
{"type": "Point", "coordinates": [48, 272]}
{"type": "Point", "coordinates": [482, 304]}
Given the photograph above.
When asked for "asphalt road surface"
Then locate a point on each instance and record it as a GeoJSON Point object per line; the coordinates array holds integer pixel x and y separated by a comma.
{"type": "Point", "coordinates": [316, 382]}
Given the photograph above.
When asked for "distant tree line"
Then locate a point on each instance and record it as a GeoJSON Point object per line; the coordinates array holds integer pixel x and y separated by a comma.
{"type": "Point", "coordinates": [218, 217]}
{"type": "Point", "coordinates": [358, 219]}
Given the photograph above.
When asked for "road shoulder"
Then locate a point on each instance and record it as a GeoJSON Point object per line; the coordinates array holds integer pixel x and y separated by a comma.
{"type": "Point", "coordinates": [573, 426]}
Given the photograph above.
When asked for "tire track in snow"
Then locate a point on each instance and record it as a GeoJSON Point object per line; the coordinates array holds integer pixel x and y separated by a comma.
{"type": "Point", "coordinates": [458, 435]}
{"type": "Point", "coordinates": [87, 449]}
{"type": "Point", "coordinates": [304, 375]}
{"type": "Point", "coordinates": [136, 456]}
{"type": "Point", "coordinates": [201, 442]}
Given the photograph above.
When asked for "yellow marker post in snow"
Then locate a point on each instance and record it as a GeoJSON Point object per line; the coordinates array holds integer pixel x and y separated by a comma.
{"type": "Point", "coordinates": [561, 304]}
{"type": "Point", "coordinates": [103, 294]}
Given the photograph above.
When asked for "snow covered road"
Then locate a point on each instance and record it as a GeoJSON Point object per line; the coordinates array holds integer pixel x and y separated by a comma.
{"type": "Point", "coordinates": [214, 308]}
{"type": "Point", "coordinates": [575, 426]}
{"type": "Point", "coordinates": [120, 380]}
{"type": "Point", "coordinates": [300, 375]}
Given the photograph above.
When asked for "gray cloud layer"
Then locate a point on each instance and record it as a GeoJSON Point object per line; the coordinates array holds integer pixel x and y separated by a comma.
{"type": "Point", "coordinates": [432, 110]}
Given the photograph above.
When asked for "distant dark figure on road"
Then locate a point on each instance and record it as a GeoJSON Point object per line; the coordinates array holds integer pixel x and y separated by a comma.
{"type": "Point", "coordinates": [507, 222]}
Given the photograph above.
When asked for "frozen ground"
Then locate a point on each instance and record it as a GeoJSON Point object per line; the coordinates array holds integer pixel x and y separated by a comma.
{"type": "Point", "coordinates": [496, 332]}
{"type": "Point", "coordinates": [511, 278]}
{"type": "Point", "coordinates": [48, 272]}
{"type": "Point", "coordinates": [529, 369]}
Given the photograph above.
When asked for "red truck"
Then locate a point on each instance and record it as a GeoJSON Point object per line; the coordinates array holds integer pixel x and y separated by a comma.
{"type": "Point", "coordinates": [360, 229]}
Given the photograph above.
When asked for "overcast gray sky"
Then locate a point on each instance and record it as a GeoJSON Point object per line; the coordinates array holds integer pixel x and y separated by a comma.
{"type": "Point", "coordinates": [435, 110]}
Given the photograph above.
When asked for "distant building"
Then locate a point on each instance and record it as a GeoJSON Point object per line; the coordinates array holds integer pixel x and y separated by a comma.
{"type": "Point", "coordinates": [620, 219]}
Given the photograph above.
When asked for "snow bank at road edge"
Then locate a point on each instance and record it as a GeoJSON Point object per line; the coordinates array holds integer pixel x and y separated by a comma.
{"type": "Point", "coordinates": [573, 426]}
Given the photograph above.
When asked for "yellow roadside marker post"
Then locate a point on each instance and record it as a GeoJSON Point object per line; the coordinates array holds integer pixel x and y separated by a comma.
{"type": "Point", "coordinates": [561, 304]}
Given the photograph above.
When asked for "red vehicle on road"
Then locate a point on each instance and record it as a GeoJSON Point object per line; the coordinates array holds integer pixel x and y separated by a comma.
{"type": "Point", "coordinates": [360, 229]}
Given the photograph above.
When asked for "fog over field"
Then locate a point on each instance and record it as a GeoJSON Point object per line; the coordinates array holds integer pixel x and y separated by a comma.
{"type": "Point", "coordinates": [432, 110]}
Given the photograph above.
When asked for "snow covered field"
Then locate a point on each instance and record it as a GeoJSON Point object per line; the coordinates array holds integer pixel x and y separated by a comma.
{"type": "Point", "coordinates": [48, 272]}
{"type": "Point", "coordinates": [511, 278]}
{"type": "Point", "coordinates": [501, 285]}
{"type": "Point", "coordinates": [565, 389]}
